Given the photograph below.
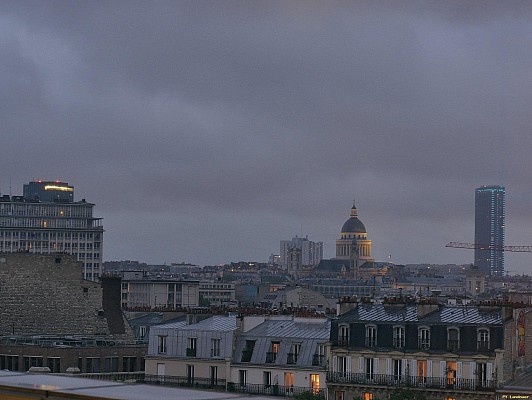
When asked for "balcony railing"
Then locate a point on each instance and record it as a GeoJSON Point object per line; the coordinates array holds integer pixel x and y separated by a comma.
{"type": "Point", "coordinates": [318, 360]}
{"type": "Point", "coordinates": [483, 345]}
{"type": "Point", "coordinates": [191, 352]}
{"type": "Point", "coordinates": [398, 343]}
{"type": "Point", "coordinates": [453, 345]}
{"type": "Point", "coordinates": [271, 357]}
{"type": "Point", "coordinates": [292, 358]}
{"type": "Point", "coordinates": [410, 381]}
{"type": "Point", "coordinates": [200, 383]}
{"type": "Point", "coordinates": [274, 390]}
{"type": "Point", "coordinates": [371, 341]}
{"type": "Point", "coordinates": [424, 344]}
{"type": "Point", "coordinates": [246, 355]}
{"type": "Point", "coordinates": [114, 376]}
{"type": "Point", "coordinates": [343, 341]}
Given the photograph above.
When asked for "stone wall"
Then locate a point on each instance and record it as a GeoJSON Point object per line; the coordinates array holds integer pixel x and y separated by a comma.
{"type": "Point", "coordinates": [45, 294]}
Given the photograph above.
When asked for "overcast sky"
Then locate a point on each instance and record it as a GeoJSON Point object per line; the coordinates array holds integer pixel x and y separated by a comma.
{"type": "Point", "coordinates": [208, 131]}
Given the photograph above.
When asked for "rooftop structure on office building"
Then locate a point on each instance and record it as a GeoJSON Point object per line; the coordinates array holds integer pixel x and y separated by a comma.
{"type": "Point", "coordinates": [47, 220]}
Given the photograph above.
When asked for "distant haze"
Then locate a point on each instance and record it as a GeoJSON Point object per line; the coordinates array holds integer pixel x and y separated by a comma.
{"type": "Point", "coordinates": [208, 131]}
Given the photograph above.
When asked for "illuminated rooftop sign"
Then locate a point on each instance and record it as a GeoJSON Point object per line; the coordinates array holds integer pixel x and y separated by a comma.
{"type": "Point", "coordinates": [62, 188]}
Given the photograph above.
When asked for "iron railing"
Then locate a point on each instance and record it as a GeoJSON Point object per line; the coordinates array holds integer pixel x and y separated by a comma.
{"type": "Point", "coordinates": [271, 356]}
{"type": "Point", "coordinates": [191, 352]}
{"type": "Point", "coordinates": [186, 381]}
{"type": "Point", "coordinates": [291, 358]}
{"type": "Point", "coordinates": [114, 376]}
{"type": "Point", "coordinates": [246, 355]}
{"type": "Point", "coordinates": [343, 341]}
{"type": "Point", "coordinates": [453, 345]}
{"type": "Point", "coordinates": [273, 390]}
{"type": "Point", "coordinates": [318, 360]}
{"type": "Point", "coordinates": [410, 381]}
{"type": "Point", "coordinates": [483, 345]}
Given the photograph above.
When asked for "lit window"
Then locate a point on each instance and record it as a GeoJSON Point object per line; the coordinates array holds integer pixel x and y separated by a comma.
{"type": "Point", "coordinates": [315, 383]}
{"type": "Point", "coordinates": [450, 372]}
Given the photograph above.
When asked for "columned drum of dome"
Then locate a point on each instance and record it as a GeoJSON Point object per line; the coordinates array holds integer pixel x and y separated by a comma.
{"type": "Point", "coordinates": [353, 244]}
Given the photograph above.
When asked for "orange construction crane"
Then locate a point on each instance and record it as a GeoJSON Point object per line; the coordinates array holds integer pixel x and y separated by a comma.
{"type": "Point", "coordinates": [476, 246]}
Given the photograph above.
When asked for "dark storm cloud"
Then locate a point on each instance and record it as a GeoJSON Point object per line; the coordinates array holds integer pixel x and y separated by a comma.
{"type": "Point", "coordinates": [209, 131]}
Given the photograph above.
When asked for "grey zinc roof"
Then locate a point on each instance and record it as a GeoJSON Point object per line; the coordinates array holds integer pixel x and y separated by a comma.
{"type": "Point", "coordinates": [288, 332]}
{"type": "Point", "coordinates": [380, 313]}
{"type": "Point", "coordinates": [292, 329]}
{"type": "Point", "coordinates": [215, 323]}
{"type": "Point", "coordinates": [445, 315]}
{"type": "Point", "coordinates": [173, 325]}
{"type": "Point", "coordinates": [465, 315]}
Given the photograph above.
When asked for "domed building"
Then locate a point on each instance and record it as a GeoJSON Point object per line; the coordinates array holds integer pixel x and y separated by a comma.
{"type": "Point", "coordinates": [353, 244]}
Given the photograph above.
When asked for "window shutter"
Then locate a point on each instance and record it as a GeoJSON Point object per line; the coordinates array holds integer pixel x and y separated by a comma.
{"type": "Point", "coordinates": [489, 372]}
{"type": "Point", "coordinates": [335, 364]}
{"type": "Point", "coordinates": [361, 364]}
{"type": "Point", "coordinates": [459, 374]}
{"type": "Point", "coordinates": [388, 366]}
{"type": "Point", "coordinates": [429, 368]}
{"type": "Point", "coordinates": [413, 368]}
{"type": "Point", "coordinates": [376, 366]}
{"type": "Point", "coordinates": [348, 362]}
{"type": "Point", "coordinates": [442, 369]}
{"type": "Point", "coordinates": [404, 367]}
{"type": "Point", "coordinates": [472, 370]}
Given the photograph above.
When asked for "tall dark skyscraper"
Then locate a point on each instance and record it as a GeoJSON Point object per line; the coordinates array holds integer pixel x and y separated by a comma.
{"type": "Point", "coordinates": [490, 204]}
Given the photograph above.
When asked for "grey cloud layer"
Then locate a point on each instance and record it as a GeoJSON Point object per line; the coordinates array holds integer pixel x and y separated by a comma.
{"type": "Point", "coordinates": [273, 113]}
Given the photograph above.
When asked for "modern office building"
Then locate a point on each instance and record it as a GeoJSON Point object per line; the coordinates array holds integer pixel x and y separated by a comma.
{"type": "Point", "coordinates": [311, 252]}
{"type": "Point", "coordinates": [49, 191]}
{"type": "Point", "coordinates": [490, 204]}
{"type": "Point", "coordinates": [142, 291]}
{"type": "Point", "coordinates": [47, 220]}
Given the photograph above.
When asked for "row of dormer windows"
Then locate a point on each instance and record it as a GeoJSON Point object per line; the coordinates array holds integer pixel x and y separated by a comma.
{"type": "Point", "coordinates": [398, 339]}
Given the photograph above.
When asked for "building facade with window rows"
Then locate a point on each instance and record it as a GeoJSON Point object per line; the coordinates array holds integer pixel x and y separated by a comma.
{"type": "Point", "coordinates": [446, 352]}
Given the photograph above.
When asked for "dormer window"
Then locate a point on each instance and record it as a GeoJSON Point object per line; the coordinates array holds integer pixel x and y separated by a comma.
{"type": "Point", "coordinates": [398, 337]}
{"type": "Point", "coordinates": [424, 338]}
{"type": "Point", "coordinates": [271, 356]}
{"type": "Point", "coordinates": [295, 349]}
{"type": "Point", "coordinates": [483, 339]}
{"type": "Point", "coordinates": [371, 336]}
{"type": "Point", "coordinates": [343, 335]}
{"type": "Point", "coordinates": [453, 339]}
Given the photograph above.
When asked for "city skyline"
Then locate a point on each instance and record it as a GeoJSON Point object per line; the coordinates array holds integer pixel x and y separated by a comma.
{"type": "Point", "coordinates": [208, 132]}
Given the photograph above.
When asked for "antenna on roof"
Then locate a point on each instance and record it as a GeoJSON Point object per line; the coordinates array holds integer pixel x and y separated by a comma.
{"type": "Point", "coordinates": [354, 206]}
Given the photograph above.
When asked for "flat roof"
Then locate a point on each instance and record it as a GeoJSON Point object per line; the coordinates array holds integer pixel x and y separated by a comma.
{"type": "Point", "coordinates": [27, 385]}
